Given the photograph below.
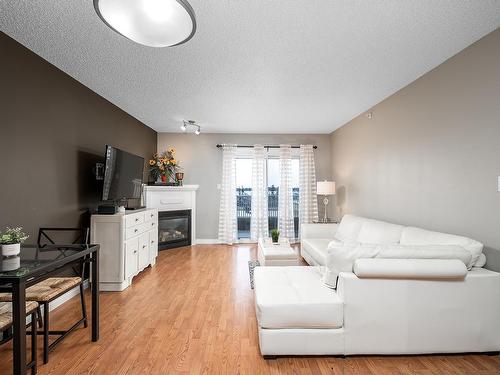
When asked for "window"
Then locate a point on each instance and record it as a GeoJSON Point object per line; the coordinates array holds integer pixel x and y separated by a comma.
{"type": "Point", "coordinates": [244, 194]}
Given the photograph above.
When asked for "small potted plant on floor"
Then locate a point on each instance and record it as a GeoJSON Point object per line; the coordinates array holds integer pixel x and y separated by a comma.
{"type": "Point", "coordinates": [11, 240]}
{"type": "Point", "coordinates": [275, 235]}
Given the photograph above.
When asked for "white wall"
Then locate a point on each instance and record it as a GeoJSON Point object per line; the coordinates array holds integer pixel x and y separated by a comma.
{"type": "Point", "coordinates": [430, 156]}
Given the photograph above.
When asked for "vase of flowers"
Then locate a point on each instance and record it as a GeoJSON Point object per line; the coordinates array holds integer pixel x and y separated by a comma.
{"type": "Point", "coordinates": [11, 240]}
{"type": "Point", "coordinates": [163, 166]}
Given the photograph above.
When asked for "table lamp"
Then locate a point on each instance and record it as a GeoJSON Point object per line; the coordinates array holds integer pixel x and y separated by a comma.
{"type": "Point", "coordinates": [325, 188]}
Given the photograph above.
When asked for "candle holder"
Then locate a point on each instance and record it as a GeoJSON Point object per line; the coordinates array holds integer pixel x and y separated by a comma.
{"type": "Point", "coordinates": [179, 176]}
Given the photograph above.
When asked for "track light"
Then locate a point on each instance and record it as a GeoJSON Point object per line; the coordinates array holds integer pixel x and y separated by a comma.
{"type": "Point", "coordinates": [186, 124]}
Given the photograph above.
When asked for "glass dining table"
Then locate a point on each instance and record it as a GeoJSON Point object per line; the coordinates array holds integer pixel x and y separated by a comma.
{"type": "Point", "coordinates": [32, 265]}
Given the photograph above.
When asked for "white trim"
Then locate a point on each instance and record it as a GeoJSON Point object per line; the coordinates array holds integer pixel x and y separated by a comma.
{"type": "Point", "coordinates": [171, 188]}
{"type": "Point", "coordinates": [207, 241]}
{"type": "Point", "coordinates": [215, 241]}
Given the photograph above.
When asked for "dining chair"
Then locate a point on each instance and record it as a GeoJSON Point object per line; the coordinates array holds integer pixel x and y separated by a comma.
{"type": "Point", "coordinates": [52, 288]}
{"type": "Point", "coordinates": [6, 322]}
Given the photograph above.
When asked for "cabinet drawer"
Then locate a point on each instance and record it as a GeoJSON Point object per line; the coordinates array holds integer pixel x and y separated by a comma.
{"type": "Point", "coordinates": [136, 230]}
{"type": "Point", "coordinates": [150, 225]}
{"type": "Point", "coordinates": [171, 201]}
{"type": "Point", "coordinates": [151, 216]}
{"type": "Point", "coordinates": [134, 219]}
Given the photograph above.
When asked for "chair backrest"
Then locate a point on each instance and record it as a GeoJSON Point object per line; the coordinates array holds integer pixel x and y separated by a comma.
{"type": "Point", "coordinates": [52, 236]}
{"type": "Point", "coordinates": [49, 236]}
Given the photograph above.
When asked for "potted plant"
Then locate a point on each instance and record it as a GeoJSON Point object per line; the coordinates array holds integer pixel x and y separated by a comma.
{"type": "Point", "coordinates": [11, 240]}
{"type": "Point", "coordinates": [275, 235]}
{"type": "Point", "coordinates": [163, 166]}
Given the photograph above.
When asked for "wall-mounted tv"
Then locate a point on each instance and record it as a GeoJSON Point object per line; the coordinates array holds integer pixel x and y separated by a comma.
{"type": "Point", "coordinates": [123, 173]}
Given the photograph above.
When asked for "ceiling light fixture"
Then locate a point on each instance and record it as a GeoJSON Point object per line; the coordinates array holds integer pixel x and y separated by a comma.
{"type": "Point", "coordinates": [186, 124]}
{"type": "Point", "coordinates": [153, 23]}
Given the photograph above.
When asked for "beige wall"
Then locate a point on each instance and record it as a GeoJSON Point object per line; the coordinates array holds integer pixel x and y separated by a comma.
{"type": "Point", "coordinates": [430, 156]}
{"type": "Point", "coordinates": [202, 162]}
{"type": "Point", "coordinates": [52, 131]}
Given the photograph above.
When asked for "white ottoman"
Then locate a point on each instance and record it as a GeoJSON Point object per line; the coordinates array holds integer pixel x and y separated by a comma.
{"type": "Point", "coordinates": [280, 254]}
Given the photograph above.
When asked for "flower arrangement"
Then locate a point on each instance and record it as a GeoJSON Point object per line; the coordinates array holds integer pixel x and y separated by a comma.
{"type": "Point", "coordinates": [13, 236]}
{"type": "Point", "coordinates": [163, 165]}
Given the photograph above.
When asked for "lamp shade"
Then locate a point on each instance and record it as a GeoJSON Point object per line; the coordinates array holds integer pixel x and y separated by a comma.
{"type": "Point", "coordinates": [325, 188]}
{"type": "Point", "coordinates": [153, 23]}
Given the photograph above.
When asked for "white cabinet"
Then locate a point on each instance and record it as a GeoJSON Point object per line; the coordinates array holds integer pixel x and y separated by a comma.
{"type": "Point", "coordinates": [143, 251]}
{"type": "Point", "coordinates": [131, 256]}
{"type": "Point", "coordinates": [129, 244]}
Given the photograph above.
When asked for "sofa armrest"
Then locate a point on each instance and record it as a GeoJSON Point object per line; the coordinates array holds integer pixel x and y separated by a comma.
{"type": "Point", "coordinates": [318, 230]}
{"type": "Point", "coordinates": [410, 268]}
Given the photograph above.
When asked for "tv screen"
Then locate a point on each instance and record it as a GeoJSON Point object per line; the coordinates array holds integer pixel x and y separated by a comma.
{"type": "Point", "coordinates": [122, 175]}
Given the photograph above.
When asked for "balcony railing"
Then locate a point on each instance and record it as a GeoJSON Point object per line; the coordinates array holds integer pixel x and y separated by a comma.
{"type": "Point", "coordinates": [244, 209]}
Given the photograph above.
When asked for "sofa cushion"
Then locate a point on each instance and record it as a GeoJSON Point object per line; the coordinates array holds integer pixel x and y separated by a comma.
{"type": "Point", "coordinates": [423, 269]}
{"type": "Point", "coordinates": [379, 232]}
{"type": "Point", "coordinates": [341, 258]}
{"type": "Point", "coordinates": [349, 228]}
{"type": "Point", "coordinates": [417, 236]}
{"type": "Point", "coordinates": [295, 297]}
{"type": "Point", "coordinates": [481, 261]}
{"type": "Point", "coordinates": [316, 248]}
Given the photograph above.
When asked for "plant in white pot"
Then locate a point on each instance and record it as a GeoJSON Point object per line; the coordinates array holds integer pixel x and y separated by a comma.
{"type": "Point", "coordinates": [11, 240]}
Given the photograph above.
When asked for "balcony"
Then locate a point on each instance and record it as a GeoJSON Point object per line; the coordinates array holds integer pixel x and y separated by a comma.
{"type": "Point", "coordinates": [244, 209]}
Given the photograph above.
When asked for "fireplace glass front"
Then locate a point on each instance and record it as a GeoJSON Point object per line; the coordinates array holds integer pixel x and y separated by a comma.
{"type": "Point", "coordinates": [174, 229]}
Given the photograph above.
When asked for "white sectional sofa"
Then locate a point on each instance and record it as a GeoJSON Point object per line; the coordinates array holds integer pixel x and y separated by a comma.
{"type": "Point", "coordinates": [381, 305]}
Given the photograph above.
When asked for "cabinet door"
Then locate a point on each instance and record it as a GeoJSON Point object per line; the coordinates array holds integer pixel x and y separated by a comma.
{"type": "Point", "coordinates": [143, 251]}
{"type": "Point", "coordinates": [131, 257]}
{"type": "Point", "coordinates": [153, 244]}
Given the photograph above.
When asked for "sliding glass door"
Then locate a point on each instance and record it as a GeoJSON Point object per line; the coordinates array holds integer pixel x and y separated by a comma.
{"type": "Point", "coordinates": [244, 194]}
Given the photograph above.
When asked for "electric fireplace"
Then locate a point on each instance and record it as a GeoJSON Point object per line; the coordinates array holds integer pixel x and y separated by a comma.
{"type": "Point", "coordinates": [174, 229]}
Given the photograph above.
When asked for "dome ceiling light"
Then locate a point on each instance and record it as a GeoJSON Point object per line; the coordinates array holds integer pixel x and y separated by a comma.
{"type": "Point", "coordinates": [153, 23]}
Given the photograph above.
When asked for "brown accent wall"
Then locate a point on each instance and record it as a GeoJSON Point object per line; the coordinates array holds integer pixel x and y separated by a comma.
{"type": "Point", "coordinates": [430, 156]}
{"type": "Point", "coordinates": [52, 131]}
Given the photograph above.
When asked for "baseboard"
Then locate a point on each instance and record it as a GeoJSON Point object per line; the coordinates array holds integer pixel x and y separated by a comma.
{"type": "Point", "coordinates": [207, 241]}
{"type": "Point", "coordinates": [214, 241]}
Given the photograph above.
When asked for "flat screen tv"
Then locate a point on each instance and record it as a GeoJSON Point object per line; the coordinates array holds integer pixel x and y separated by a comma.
{"type": "Point", "coordinates": [123, 174]}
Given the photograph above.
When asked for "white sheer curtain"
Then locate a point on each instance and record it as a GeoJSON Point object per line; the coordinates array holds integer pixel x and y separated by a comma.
{"type": "Point", "coordinates": [259, 219]}
{"type": "Point", "coordinates": [308, 201]}
{"type": "Point", "coordinates": [285, 199]}
{"type": "Point", "coordinates": [228, 231]}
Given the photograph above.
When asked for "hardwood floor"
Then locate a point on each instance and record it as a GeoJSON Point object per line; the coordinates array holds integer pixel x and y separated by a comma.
{"type": "Point", "coordinates": [193, 313]}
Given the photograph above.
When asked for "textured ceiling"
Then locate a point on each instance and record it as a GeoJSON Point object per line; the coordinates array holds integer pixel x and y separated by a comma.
{"type": "Point", "coordinates": [259, 66]}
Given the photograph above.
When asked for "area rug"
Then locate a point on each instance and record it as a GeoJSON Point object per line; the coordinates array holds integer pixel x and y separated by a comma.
{"type": "Point", "coordinates": [251, 266]}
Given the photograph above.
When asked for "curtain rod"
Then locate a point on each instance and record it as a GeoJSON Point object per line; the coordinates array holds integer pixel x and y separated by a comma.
{"type": "Point", "coordinates": [265, 146]}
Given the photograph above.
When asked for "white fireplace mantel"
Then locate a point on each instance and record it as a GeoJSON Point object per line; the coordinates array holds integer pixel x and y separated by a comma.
{"type": "Point", "coordinates": [173, 198]}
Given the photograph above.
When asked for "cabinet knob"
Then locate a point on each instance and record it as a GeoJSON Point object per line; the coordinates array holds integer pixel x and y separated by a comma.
{"type": "Point", "coordinates": [135, 251]}
{"type": "Point", "coordinates": [152, 224]}
{"type": "Point", "coordinates": [143, 246]}
{"type": "Point", "coordinates": [135, 230]}
{"type": "Point", "coordinates": [152, 215]}
{"type": "Point", "coordinates": [152, 242]}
